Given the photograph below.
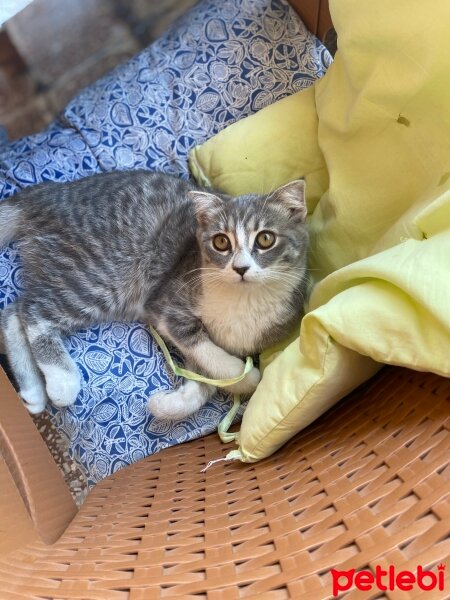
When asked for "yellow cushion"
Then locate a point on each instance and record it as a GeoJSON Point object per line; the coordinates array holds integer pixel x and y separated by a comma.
{"type": "Point", "coordinates": [372, 139]}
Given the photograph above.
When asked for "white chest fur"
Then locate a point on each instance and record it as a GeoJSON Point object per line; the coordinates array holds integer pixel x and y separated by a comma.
{"type": "Point", "coordinates": [238, 316]}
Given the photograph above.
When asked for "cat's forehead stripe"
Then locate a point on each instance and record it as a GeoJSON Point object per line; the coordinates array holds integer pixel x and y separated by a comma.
{"type": "Point", "coordinates": [253, 212]}
{"type": "Point", "coordinates": [241, 235]}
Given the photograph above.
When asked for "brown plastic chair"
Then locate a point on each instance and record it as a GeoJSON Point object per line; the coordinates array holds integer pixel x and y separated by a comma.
{"type": "Point", "coordinates": [365, 485]}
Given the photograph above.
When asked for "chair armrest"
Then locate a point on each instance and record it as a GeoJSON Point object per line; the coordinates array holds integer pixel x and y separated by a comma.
{"type": "Point", "coordinates": [16, 526]}
{"type": "Point", "coordinates": [315, 14]}
{"type": "Point", "coordinates": [36, 476]}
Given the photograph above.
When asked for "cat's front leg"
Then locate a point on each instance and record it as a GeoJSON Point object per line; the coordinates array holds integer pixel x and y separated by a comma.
{"type": "Point", "coordinates": [209, 359]}
{"type": "Point", "coordinates": [219, 364]}
{"type": "Point", "coordinates": [181, 402]}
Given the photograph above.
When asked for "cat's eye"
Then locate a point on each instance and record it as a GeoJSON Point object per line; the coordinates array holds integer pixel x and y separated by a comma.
{"type": "Point", "coordinates": [265, 240]}
{"type": "Point", "coordinates": [221, 242]}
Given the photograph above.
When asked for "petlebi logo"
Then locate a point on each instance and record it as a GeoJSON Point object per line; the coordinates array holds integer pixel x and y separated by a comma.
{"type": "Point", "coordinates": [389, 579]}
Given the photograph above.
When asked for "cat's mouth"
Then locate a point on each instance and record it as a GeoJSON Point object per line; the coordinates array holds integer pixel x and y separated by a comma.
{"type": "Point", "coordinates": [244, 280]}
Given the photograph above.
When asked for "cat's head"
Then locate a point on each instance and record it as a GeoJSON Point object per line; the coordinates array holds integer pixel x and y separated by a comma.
{"type": "Point", "coordinates": [253, 239]}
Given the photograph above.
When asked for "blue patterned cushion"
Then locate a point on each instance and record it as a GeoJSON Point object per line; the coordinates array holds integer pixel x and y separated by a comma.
{"type": "Point", "coordinates": [223, 60]}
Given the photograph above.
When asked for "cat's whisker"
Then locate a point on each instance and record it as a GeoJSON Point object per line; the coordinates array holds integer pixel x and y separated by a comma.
{"type": "Point", "coordinates": [201, 269]}
{"type": "Point", "coordinates": [289, 276]}
{"type": "Point", "coordinates": [191, 283]}
{"type": "Point", "coordinates": [286, 277]}
{"type": "Point", "coordinates": [210, 274]}
{"type": "Point", "coordinates": [284, 280]}
{"type": "Point", "coordinates": [282, 284]}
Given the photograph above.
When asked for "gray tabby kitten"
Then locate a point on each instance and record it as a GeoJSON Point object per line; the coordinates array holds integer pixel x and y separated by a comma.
{"type": "Point", "coordinates": [219, 277]}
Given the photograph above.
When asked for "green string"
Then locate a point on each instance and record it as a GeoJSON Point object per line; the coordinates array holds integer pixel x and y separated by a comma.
{"type": "Point", "coordinates": [226, 422]}
{"type": "Point", "coordinates": [195, 376]}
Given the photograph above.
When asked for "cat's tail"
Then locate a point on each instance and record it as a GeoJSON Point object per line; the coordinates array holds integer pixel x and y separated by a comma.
{"type": "Point", "coordinates": [9, 222]}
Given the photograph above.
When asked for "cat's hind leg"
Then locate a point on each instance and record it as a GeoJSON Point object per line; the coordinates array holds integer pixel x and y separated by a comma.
{"type": "Point", "coordinates": [20, 358]}
{"type": "Point", "coordinates": [62, 377]}
{"type": "Point", "coordinates": [182, 402]}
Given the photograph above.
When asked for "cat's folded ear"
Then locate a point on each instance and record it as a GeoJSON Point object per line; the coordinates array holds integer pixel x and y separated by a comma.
{"type": "Point", "coordinates": [205, 205]}
{"type": "Point", "coordinates": [291, 197]}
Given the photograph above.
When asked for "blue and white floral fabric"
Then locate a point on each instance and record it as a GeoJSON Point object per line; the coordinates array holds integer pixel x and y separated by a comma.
{"type": "Point", "coordinates": [223, 60]}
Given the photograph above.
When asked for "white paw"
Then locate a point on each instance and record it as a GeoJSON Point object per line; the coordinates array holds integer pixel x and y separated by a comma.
{"type": "Point", "coordinates": [62, 386]}
{"type": "Point", "coordinates": [176, 405]}
{"type": "Point", "coordinates": [228, 368]}
{"type": "Point", "coordinates": [35, 399]}
{"type": "Point", "coordinates": [247, 385]}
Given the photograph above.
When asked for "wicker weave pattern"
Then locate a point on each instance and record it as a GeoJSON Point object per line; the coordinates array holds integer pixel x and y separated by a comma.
{"type": "Point", "coordinates": [367, 484]}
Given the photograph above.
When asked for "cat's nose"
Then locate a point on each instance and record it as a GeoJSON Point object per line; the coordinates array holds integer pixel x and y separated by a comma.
{"type": "Point", "coordinates": [241, 270]}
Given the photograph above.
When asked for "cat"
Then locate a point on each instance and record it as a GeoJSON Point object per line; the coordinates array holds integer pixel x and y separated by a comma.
{"type": "Point", "coordinates": [219, 277]}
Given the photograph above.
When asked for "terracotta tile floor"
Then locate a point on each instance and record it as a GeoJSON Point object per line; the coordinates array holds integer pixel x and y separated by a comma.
{"type": "Point", "coordinates": [52, 49]}
{"type": "Point", "coordinates": [48, 52]}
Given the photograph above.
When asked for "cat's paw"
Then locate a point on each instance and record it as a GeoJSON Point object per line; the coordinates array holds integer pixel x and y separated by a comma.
{"type": "Point", "coordinates": [247, 385]}
{"type": "Point", "coordinates": [35, 399]}
{"type": "Point", "coordinates": [63, 386]}
{"type": "Point", "coordinates": [175, 405]}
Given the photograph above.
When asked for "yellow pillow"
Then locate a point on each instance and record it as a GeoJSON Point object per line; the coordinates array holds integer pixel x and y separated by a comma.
{"type": "Point", "coordinates": [372, 139]}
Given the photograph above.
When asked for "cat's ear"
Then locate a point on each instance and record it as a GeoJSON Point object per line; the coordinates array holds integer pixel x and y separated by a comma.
{"type": "Point", "coordinates": [291, 197]}
{"type": "Point", "coordinates": [205, 205]}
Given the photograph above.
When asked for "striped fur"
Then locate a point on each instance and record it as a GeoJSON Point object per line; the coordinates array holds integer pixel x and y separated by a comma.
{"type": "Point", "coordinates": [140, 245]}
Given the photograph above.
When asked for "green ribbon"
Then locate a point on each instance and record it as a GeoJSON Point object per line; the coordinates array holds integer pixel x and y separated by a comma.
{"type": "Point", "coordinates": [226, 422]}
